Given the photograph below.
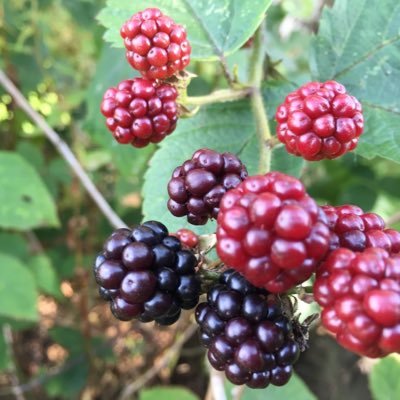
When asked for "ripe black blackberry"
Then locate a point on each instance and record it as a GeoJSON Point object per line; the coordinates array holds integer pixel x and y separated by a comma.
{"type": "Point", "coordinates": [146, 274]}
{"type": "Point", "coordinates": [197, 186]}
{"type": "Point", "coordinates": [248, 334]}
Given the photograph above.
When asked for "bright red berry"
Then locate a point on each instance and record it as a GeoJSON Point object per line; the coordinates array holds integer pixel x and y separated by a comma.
{"type": "Point", "coordinates": [319, 120]}
{"type": "Point", "coordinates": [188, 238]}
{"type": "Point", "coordinates": [271, 231]}
{"type": "Point", "coordinates": [155, 45]}
{"type": "Point", "coordinates": [139, 111]}
{"type": "Point", "coordinates": [355, 230]}
{"type": "Point", "coordinates": [360, 297]}
{"type": "Point", "coordinates": [197, 186]}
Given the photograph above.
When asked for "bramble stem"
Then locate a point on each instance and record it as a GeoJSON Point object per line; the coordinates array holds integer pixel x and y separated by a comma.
{"type": "Point", "coordinates": [217, 97]}
{"type": "Point", "coordinates": [64, 151]}
{"type": "Point", "coordinates": [257, 102]}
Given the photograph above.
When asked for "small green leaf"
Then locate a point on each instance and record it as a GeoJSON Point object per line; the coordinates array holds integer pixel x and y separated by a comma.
{"type": "Point", "coordinates": [25, 202]}
{"type": "Point", "coordinates": [17, 290]}
{"type": "Point", "coordinates": [294, 389]}
{"type": "Point", "coordinates": [14, 245]}
{"type": "Point", "coordinates": [161, 392]}
{"type": "Point", "coordinates": [384, 379]}
{"type": "Point", "coordinates": [46, 278]}
{"type": "Point", "coordinates": [215, 27]}
{"type": "Point", "coordinates": [366, 61]}
{"type": "Point", "coordinates": [284, 162]}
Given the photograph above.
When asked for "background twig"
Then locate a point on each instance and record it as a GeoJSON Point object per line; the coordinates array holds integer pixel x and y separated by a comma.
{"type": "Point", "coordinates": [63, 149]}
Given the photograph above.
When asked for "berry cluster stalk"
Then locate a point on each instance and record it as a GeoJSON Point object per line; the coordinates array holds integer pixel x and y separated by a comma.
{"type": "Point", "coordinates": [257, 103]}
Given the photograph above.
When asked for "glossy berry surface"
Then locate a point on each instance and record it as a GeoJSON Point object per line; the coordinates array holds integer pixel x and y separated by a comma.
{"type": "Point", "coordinates": [241, 326]}
{"type": "Point", "coordinates": [360, 297]}
{"type": "Point", "coordinates": [187, 237]}
{"type": "Point", "coordinates": [319, 120]}
{"type": "Point", "coordinates": [155, 45]}
{"type": "Point", "coordinates": [271, 231]}
{"type": "Point", "coordinates": [139, 111]}
{"type": "Point", "coordinates": [144, 273]}
{"type": "Point", "coordinates": [197, 186]}
{"type": "Point", "coordinates": [355, 230]}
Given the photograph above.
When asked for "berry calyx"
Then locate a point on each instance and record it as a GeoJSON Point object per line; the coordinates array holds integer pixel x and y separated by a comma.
{"type": "Point", "coordinates": [155, 45]}
{"type": "Point", "coordinates": [248, 333]}
{"type": "Point", "coordinates": [146, 274]}
{"type": "Point", "coordinates": [270, 230]}
{"type": "Point", "coordinates": [319, 120]}
{"type": "Point", "coordinates": [360, 297]}
{"type": "Point", "coordinates": [353, 229]}
{"type": "Point", "coordinates": [197, 186]}
{"type": "Point", "coordinates": [139, 111]}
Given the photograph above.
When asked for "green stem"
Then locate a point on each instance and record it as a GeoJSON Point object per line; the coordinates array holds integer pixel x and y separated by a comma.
{"type": "Point", "coordinates": [257, 102]}
{"type": "Point", "coordinates": [216, 97]}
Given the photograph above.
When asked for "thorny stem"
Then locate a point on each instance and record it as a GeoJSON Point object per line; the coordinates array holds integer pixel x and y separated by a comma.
{"type": "Point", "coordinates": [64, 151]}
{"type": "Point", "coordinates": [257, 103]}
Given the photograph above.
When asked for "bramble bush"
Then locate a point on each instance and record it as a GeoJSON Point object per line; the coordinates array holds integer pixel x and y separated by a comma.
{"type": "Point", "coordinates": [202, 202]}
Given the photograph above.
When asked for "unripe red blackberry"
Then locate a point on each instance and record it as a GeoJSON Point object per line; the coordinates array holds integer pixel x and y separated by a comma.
{"type": "Point", "coordinates": [360, 297]}
{"type": "Point", "coordinates": [272, 231]}
{"type": "Point", "coordinates": [197, 186]}
{"type": "Point", "coordinates": [139, 111]}
{"type": "Point", "coordinates": [145, 274]}
{"type": "Point", "coordinates": [155, 45]}
{"type": "Point", "coordinates": [355, 230]}
{"type": "Point", "coordinates": [248, 333]}
{"type": "Point", "coordinates": [187, 237]}
{"type": "Point", "coordinates": [319, 120]}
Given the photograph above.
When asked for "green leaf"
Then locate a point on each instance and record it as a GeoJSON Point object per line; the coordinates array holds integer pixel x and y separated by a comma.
{"type": "Point", "coordinates": [215, 27]}
{"type": "Point", "coordinates": [69, 338]}
{"type": "Point", "coordinates": [384, 379]}
{"type": "Point", "coordinates": [161, 392]}
{"type": "Point", "coordinates": [25, 203]}
{"type": "Point", "coordinates": [14, 245]}
{"type": "Point", "coordinates": [17, 290]}
{"type": "Point", "coordinates": [294, 389]}
{"type": "Point", "coordinates": [46, 278]}
{"type": "Point", "coordinates": [283, 161]}
{"type": "Point", "coordinates": [366, 61]}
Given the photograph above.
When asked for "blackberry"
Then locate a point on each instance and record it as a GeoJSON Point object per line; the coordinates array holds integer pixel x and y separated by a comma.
{"type": "Point", "coordinates": [319, 120]}
{"type": "Point", "coordinates": [155, 45]}
{"type": "Point", "coordinates": [271, 231]}
{"type": "Point", "coordinates": [139, 111]}
{"type": "Point", "coordinates": [247, 333]}
{"type": "Point", "coordinates": [353, 229]}
{"type": "Point", "coordinates": [197, 186]}
{"type": "Point", "coordinates": [360, 298]}
{"type": "Point", "coordinates": [144, 273]}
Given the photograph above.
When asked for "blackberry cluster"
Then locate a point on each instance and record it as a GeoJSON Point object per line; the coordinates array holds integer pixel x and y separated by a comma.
{"type": "Point", "coordinates": [319, 120]}
{"type": "Point", "coordinates": [353, 229]}
{"type": "Point", "coordinates": [155, 45]}
{"type": "Point", "coordinates": [272, 231]}
{"type": "Point", "coordinates": [247, 333]}
{"type": "Point", "coordinates": [197, 186]}
{"type": "Point", "coordinates": [145, 274]}
{"type": "Point", "coordinates": [360, 297]}
{"type": "Point", "coordinates": [140, 111]}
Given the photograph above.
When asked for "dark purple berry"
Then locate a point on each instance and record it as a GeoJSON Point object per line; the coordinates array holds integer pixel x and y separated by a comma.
{"type": "Point", "coordinates": [110, 274]}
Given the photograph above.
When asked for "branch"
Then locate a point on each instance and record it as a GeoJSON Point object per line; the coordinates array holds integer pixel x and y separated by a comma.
{"type": "Point", "coordinates": [64, 151]}
{"type": "Point", "coordinates": [257, 102]}
{"type": "Point", "coordinates": [394, 219]}
{"type": "Point", "coordinates": [167, 357]}
{"type": "Point", "coordinates": [217, 384]}
{"type": "Point", "coordinates": [217, 96]}
{"type": "Point", "coordinates": [8, 338]}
